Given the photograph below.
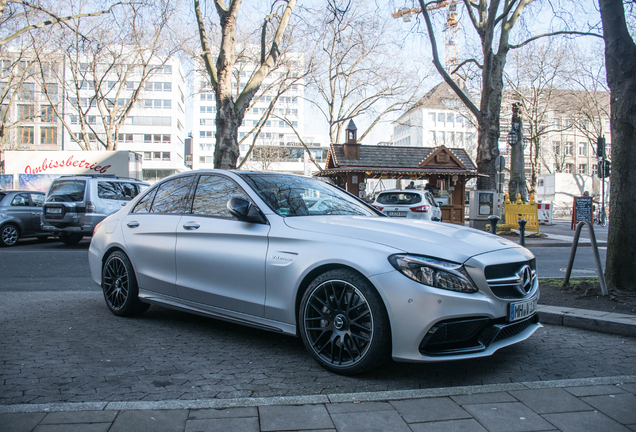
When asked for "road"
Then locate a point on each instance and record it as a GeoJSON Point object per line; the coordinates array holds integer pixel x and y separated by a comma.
{"type": "Point", "coordinates": [59, 343]}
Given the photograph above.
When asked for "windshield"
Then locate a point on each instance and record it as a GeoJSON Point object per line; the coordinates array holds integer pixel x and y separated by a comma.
{"type": "Point", "coordinates": [399, 198]}
{"type": "Point", "coordinates": [290, 195]}
{"type": "Point", "coordinates": [66, 191]}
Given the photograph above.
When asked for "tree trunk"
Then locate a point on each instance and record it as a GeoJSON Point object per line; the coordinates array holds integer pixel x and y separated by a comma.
{"type": "Point", "coordinates": [620, 64]}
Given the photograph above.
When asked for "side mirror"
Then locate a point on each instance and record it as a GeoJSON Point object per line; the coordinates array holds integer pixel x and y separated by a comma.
{"type": "Point", "coordinates": [244, 211]}
{"type": "Point", "coordinates": [440, 203]}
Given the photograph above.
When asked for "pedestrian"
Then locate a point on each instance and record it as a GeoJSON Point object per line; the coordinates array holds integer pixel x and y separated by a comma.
{"type": "Point", "coordinates": [410, 185]}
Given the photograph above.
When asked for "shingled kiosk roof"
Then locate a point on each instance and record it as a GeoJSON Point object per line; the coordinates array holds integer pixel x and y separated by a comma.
{"type": "Point", "coordinates": [399, 161]}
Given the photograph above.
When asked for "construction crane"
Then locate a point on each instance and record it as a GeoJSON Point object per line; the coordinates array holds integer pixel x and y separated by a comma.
{"type": "Point", "coordinates": [451, 29]}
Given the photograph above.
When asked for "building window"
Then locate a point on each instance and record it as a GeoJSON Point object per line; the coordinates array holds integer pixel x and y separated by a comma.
{"type": "Point", "coordinates": [156, 138]}
{"type": "Point", "coordinates": [125, 138]}
{"type": "Point", "coordinates": [205, 159]}
{"type": "Point", "coordinates": [51, 91]}
{"type": "Point", "coordinates": [569, 123]}
{"type": "Point", "coordinates": [459, 119]}
{"type": "Point", "coordinates": [557, 123]}
{"type": "Point", "coordinates": [450, 118]}
{"type": "Point", "coordinates": [582, 149]}
{"type": "Point", "coordinates": [556, 147]}
{"type": "Point", "coordinates": [582, 169]}
{"type": "Point", "coordinates": [47, 115]}
{"type": "Point", "coordinates": [594, 170]}
{"type": "Point", "coordinates": [147, 156]}
{"type": "Point", "coordinates": [207, 109]}
{"type": "Point", "coordinates": [48, 135]}
{"type": "Point", "coordinates": [569, 168]}
{"type": "Point", "coordinates": [27, 91]}
{"type": "Point", "coordinates": [569, 148]}
{"type": "Point", "coordinates": [441, 117]}
{"type": "Point", "coordinates": [25, 112]}
{"type": "Point", "coordinates": [165, 156]}
{"type": "Point", "coordinates": [207, 134]}
{"type": "Point", "coordinates": [207, 96]}
{"type": "Point", "coordinates": [25, 135]}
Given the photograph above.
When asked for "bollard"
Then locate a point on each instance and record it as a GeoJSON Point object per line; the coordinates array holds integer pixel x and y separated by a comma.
{"type": "Point", "coordinates": [493, 223]}
{"type": "Point", "coordinates": [522, 232]}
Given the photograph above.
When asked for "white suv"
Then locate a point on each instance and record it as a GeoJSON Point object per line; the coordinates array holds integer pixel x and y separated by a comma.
{"type": "Point", "coordinates": [408, 203]}
{"type": "Point", "coordinates": [74, 205]}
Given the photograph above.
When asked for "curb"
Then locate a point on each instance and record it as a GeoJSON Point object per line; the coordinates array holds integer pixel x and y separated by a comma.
{"type": "Point", "coordinates": [605, 322]}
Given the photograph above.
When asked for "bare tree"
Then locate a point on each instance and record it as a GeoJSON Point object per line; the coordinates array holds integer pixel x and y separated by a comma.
{"type": "Point", "coordinates": [493, 21]}
{"type": "Point", "coordinates": [230, 108]}
{"type": "Point", "coordinates": [356, 73]}
{"type": "Point", "coordinates": [108, 66]}
{"type": "Point", "coordinates": [620, 63]}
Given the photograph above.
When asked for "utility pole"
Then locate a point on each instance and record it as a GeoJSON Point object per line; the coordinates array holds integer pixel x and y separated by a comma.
{"type": "Point", "coordinates": [516, 140]}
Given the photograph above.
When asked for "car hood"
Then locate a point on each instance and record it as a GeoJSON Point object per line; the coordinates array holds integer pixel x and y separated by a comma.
{"type": "Point", "coordinates": [442, 240]}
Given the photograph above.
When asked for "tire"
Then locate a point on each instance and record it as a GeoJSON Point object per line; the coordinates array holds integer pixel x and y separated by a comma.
{"type": "Point", "coordinates": [71, 239]}
{"type": "Point", "coordinates": [120, 286]}
{"type": "Point", "coordinates": [344, 324]}
{"type": "Point", "coordinates": [9, 235]}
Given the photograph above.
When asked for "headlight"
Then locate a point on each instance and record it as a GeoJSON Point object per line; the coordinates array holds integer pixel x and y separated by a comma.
{"type": "Point", "coordinates": [434, 272]}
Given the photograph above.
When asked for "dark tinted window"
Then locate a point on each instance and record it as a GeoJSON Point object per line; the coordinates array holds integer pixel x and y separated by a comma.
{"type": "Point", "coordinates": [144, 204]}
{"type": "Point", "coordinates": [37, 199]}
{"type": "Point", "coordinates": [66, 191]}
{"type": "Point", "coordinates": [21, 200]}
{"type": "Point", "coordinates": [2, 195]}
{"type": "Point", "coordinates": [400, 198]}
{"type": "Point", "coordinates": [171, 195]}
{"type": "Point", "coordinates": [122, 191]}
{"type": "Point", "coordinates": [212, 194]}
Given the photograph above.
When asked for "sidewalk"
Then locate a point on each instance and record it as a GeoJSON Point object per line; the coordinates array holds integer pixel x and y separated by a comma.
{"type": "Point", "coordinates": [598, 404]}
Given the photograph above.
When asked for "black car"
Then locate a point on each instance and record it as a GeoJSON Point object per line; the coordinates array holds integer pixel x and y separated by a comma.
{"type": "Point", "coordinates": [20, 212]}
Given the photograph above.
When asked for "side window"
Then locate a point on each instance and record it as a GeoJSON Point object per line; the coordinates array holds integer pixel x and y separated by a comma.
{"type": "Point", "coordinates": [121, 191]}
{"type": "Point", "coordinates": [171, 195]}
{"type": "Point", "coordinates": [143, 206]}
{"type": "Point", "coordinates": [212, 194]}
{"type": "Point", "coordinates": [37, 199]}
{"type": "Point", "coordinates": [20, 200]}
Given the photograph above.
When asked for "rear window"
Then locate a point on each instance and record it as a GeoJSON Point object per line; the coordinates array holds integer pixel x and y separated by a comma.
{"type": "Point", "coordinates": [66, 191]}
{"type": "Point", "coordinates": [122, 191]}
{"type": "Point", "coordinates": [401, 198]}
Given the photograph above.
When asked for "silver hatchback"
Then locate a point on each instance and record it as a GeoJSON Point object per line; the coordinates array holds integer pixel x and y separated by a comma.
{"type": "Point", "coordinates": [408, 203]}
{"type": "Point", "coordinates": [296, 255]}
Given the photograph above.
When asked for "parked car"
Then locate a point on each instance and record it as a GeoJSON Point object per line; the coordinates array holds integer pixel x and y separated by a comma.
{"type": "Point", "coordinates": [20, 216]}
{"type": "Point", "coordinates": [410, 204]}
{"type": "Point", "coordinates": [356, 286]}
{"type": "Point", "coordinates": [76, 204]}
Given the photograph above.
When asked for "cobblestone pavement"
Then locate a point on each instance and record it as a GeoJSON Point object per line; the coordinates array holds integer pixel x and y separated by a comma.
{"type": "Point", "coordinates": [67, 347]}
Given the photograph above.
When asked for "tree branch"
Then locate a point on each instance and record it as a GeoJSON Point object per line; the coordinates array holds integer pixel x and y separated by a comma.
{"type": "Point", "coordinates": [563, 32]}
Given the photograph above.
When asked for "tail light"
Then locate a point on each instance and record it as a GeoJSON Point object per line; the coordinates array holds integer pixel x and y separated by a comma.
{"type": "Point", "coordinates": [378, 207]}
{"type": "Point", "coordinates": [420, 209]}
{"type": "Point", "coordinates": [90, 207]}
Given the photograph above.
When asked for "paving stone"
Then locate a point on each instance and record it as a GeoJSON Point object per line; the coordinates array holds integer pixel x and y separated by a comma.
{"type": "Point", "coordinates": [429, 409]}
{"type": "Point", "coordinates": [69, 417]}
{"type": "Point", "coordinates": [351, 407]}
{"type": "Point", "coordinates": [508, 417]}
{"type": "Point", "coordinates": [285, 418]}
{"type": "Point", "coordinates": [620, 407]}
{"type": "Point", "coordinates": [483, 398]}
{"type": "Point", "coordinates": [197, 414]}
{"type": "Point", "coordinates": [93, 427]}
{"type": "Point", "coordinates": [20, 422]}
{"type": "Point", "coordinates": [628, 387]}
{"type": "Point", "coordinates": [380, 421]}
{"type": "Point", "coordinates": [595, 390]}
{"type": "Point", "coordinates": [469, 425]}
{"type": "Point", "coordinates": [243, 424]}
{"type": "Point", "coordinates": [592, 421]}
{"type": "Point", "coordinates": [551, 400]}
{"type": "Point", "coordinates": [150, 421]}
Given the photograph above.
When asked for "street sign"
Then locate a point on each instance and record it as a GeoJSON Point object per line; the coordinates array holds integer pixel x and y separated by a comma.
{"type": "Point", "coordinates": [500, 164]}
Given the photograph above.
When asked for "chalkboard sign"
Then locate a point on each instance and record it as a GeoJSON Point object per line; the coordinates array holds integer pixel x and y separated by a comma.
{"type": "Point", "coordinates": [582, 210]}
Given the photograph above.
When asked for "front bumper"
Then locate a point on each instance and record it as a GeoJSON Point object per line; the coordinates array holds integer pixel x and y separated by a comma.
{"type": "Point", "coordinates": [431, 324]}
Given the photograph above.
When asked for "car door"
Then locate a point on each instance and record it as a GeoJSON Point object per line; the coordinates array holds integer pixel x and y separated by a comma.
{"type": "Point", "coordinates": [150, 234]}
{"type": "Point", "coordinates": [221, 260]}
{"type": "Point", "coordinates": [436, 211]}
{"type": "Point", "coordinates": [20, 209]}
{"type": "Point", "coordinates": [37, 201]}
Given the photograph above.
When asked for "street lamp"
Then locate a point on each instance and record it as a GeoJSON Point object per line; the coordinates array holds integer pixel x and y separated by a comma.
{"type": "Point", "coordinates": [512, 138]}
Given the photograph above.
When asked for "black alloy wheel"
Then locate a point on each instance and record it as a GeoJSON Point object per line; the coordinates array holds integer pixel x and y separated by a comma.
{"type": "Point", "coordinates": [120, 286]}
{"type": "Point", "coordinates": [9, 235]}
{"type": "Point", "coordinates": [344, 324]}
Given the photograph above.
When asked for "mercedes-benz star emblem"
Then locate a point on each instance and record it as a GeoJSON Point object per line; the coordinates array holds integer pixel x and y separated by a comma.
{"type": "Point", "coordinates": [525, 279]}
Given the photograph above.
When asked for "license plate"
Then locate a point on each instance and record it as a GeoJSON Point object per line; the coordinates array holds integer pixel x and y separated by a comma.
{"type": "Point", "coordinates": [523, 309]}
{"type": "Point", "coordinates": [396, 214]}
{"type": "Point", "coordinates": [54, 210]}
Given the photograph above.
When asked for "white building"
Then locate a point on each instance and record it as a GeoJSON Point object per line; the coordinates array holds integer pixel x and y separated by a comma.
{"type": "Point", "coordinates": [277, 147]}
{"type": "Point", "coordinates": [154, 126]}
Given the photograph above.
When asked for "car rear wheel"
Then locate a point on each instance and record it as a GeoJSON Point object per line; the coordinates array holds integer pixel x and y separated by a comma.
{"type": "Point", "coordinates": [9, 235]}
{"type": "Point", "coordinates": [343, 323]}
{"type": "Point", "coordinates": [120, 286]}
{"type": "Point", "coordinates": [71, 239]}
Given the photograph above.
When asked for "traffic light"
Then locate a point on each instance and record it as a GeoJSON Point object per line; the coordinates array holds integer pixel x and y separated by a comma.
{"type": "Point", "coordinates": [601, 170]}
{"type": "Point", "coordinates": [600, 147]}
{"type": "Point", "coordinates": [607, 169]}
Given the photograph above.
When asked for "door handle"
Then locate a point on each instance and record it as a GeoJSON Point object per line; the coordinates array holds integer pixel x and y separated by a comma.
{"type": "Point", "coordinates": [191, 226]}
{"type": "Point", "coordinates": [133, 224]}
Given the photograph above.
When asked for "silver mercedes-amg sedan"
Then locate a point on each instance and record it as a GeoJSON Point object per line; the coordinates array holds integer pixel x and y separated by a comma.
{"type": "Point", "coordinates": [356, 286]}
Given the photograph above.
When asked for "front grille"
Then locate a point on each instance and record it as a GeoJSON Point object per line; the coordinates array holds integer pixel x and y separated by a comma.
{"type": "Point", "coordinates": [516, 328]}
{"type": "Point", "coordinates": [504, 280]}
{"type": "Point", "coordinates": [458, 331]}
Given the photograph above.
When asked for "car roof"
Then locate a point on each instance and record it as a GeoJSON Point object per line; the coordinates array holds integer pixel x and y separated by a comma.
{"type": "Point", "coordinates": [20, 190]}
{"type": "Point", "coordinates": [403, 191]}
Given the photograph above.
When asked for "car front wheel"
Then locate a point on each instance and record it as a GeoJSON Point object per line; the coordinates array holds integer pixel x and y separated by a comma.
{"type": "Point", "coordinates": [120, 286]}
{"type": "Point", "coordinates": [9, 235]}
{"type": "Point", "coordinates": [343, 323]}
